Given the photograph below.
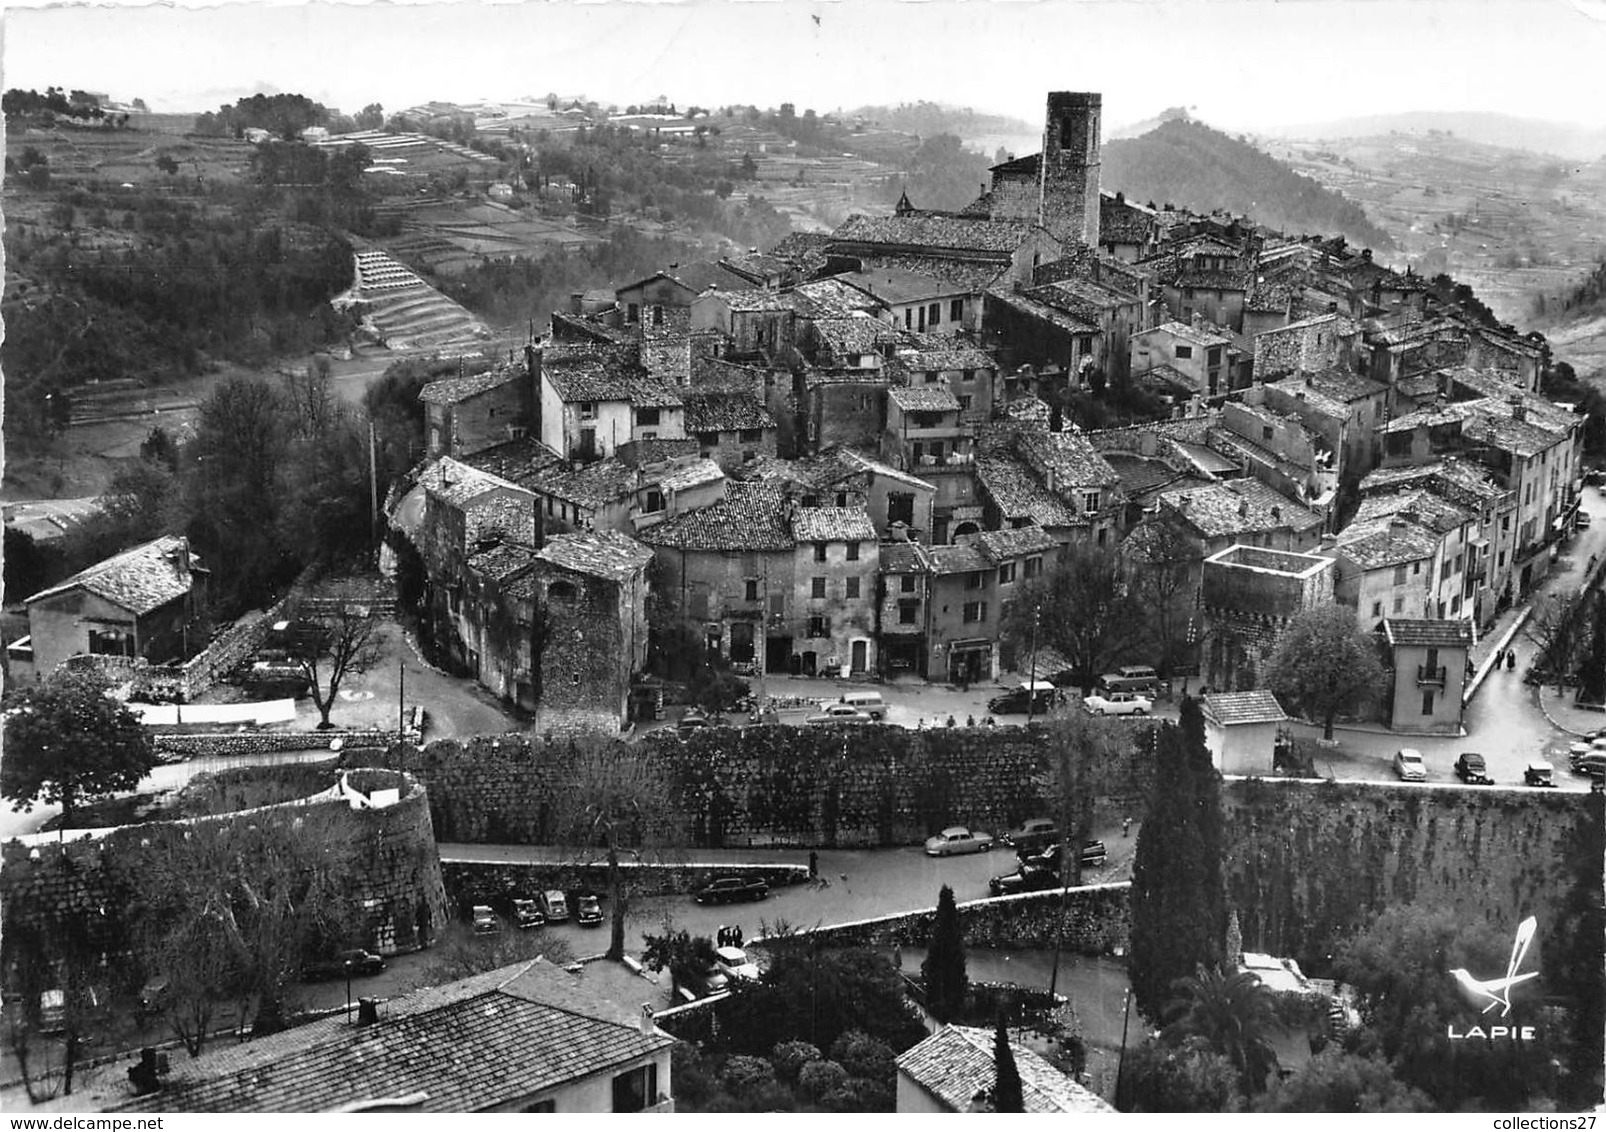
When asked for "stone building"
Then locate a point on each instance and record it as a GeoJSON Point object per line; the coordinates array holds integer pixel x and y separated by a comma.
{"type": "Point", "coordinates": [1428, 663]}
{"type": "Point", "coordinates": [1247, 597]}
{"type": "Point", "coordinates": [970, 374]}
{"type": "Point", "coordinates": [1343, 408]}
{"type": "Point", "coordinates": [595, 398]}
{"type": "Point", "coordinates": [1241, 731]}
{"type": "Point", "coordinates": [835, 595]}
{"type": "Point", "coordinates": [139, 603]}
{"type": "Point", "coordinates": [730, 428]}
{"type": "Point", "coordinates": [1310, 345]}
{"type": "Point", "coordinates": [1197, 353]}
{"type": "Point", "coordinates": [471, 412]}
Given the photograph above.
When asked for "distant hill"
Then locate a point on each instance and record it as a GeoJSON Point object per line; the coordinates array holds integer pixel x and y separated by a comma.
{"type": "Point", "coordinates": [931, 118]}
{"type": "Point", "coordinates": [1187, 163]}
{"type": "Point", "coordinates": [1564, 139]}
{"type": "Point", "coordinates": [1138, 129]}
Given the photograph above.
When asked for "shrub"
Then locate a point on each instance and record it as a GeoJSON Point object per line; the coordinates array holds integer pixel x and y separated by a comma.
{"type": "Point", "coordinates": [743, 1076]}
{"type": "Point", "coordinates": [819, 1078]}
{"type": "Point", "coordinates": [790, 1058]}
{"type": "Point", "coordinates": [863, 1056]}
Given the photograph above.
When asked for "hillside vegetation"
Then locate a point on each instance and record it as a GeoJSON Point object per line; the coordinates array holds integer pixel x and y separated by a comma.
{"type": "Point", "coordinates": [1189, 164]}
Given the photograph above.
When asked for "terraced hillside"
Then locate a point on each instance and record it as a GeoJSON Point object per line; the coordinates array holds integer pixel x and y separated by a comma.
{"type": "Point", "coordinates": [403, 312]}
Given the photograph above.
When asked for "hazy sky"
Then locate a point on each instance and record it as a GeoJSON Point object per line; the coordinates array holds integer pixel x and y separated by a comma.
{"type": "Point", "coordinates": [1243, 64]}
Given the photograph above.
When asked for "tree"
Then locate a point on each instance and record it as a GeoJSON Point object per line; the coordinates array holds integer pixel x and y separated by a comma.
{"type": "Point", "coordinates": [370, 117]}
{"type": "Point", "coordinates": [943, 969]}
{"type": "Point", "coordinates": [1161, 558]}
{"type": "Point", "coordinates": [1336, 1080]}
{"type": "Point", "coordinates": [1592, 677]}
{"type": "Point", "coordinates": [616, 799]}
{"type": "Point", "coordinates": [1557, 628]}
{"type": "Point", "coordinates": [1190, 1077]}
{"type": "Point", "coordinates": [1007, 1092]}
{"type": "Point", "coordinates": [1178, 896]}
{"type": "Point", "coordinates": [686, 957]}
{"type": "Point", "coordinates": [334, 636]}
{"type": "Point", "coordinates": [66, 740]}
{"type": "Point", "coordinates": [1324, 664]}
{"type": "Point", "coordinates": [1233, 1013]}
{"type": "Point", "coordinates": [1082, 608]}
{"type": "Point", "coordinates": [1084, 752]}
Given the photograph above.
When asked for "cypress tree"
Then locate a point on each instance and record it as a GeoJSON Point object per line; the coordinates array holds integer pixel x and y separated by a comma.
{"type": "Point", "coordinates": [1007, 1096]}
{"type": "Point", "coordinates": [1178, 897]}
{"type": "Point", "coordinates": [944, 967]}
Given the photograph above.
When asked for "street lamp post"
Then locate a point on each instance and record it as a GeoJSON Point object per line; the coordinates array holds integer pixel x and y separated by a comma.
{"type": "Point", "coordinates": [1031, 683]}
{"type": "Point", "coordinates": [348, 990]}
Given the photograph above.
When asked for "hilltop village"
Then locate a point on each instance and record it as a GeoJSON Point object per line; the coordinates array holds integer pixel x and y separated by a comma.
{"type": "Point", "coordinates": [844, 454]}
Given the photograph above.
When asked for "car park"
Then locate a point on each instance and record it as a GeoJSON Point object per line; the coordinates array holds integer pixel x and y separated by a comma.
{"type": "Point", "coordinates": [839, 713]}
{"type": "Point", "coordinates": [1118, 703]}
{"type": "Point", "coordinates": [588, 911]}
{"type": "Point", "coordinates": [1539, 772]}
{"type": "Point", "coordinates": [957, 839]}
{"type": "Point", "coordinates": [554, 906]}
{"type": "Point", "coordinates": [732, 890]}
{"type": "Point", "coordinates": [1409, 765]}
{"type": "Point", "coordinates": [1027, 878]}
{"type": "Point", "coordinates": [528, 914]}
{"type": "Point", "coordinates": [485, 921]}
{"type": "Point", "coordinates": [355, 963]}
{"type": "Point", "coordinates": [1032, 835]}
{"type": "Point", "coordinates": [735, 964]}
{"type": "Point", "coordinates": [1471, 769]}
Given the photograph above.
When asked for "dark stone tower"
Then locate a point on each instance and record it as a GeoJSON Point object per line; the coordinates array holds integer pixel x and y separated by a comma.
{"type": "Point", "coordinates": [1069, 167]}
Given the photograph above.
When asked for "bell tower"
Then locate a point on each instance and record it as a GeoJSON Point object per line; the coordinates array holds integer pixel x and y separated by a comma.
{"type": "Point", "coordinates": [1068, 171]}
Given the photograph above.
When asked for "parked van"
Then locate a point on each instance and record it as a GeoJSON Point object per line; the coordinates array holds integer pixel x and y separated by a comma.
{"type": "Point", "coordinates": [870, 703]}
{"type": "Point", "coordinates": [1131, 678]}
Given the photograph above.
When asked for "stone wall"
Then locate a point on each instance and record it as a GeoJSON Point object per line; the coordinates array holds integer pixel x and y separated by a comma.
{"type": "Point", "coordinates": [1309, 862]}
{"type": "Point", "coordinates": [870, 785]}
{"type": "Point", "coordinates": [1097, 920]}
{"type": "Point", "coordinates": [89, 888]}
{"type": "Point", "coordinates": [267, 742]}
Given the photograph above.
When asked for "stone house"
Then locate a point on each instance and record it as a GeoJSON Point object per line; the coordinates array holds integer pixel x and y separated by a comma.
{"type": "Point", "coordinates": [1058, 481]}
{"type": "Point", "coordinates": [849, 342]}
{"type": "Point", "coordinates": [1451, 588]}
{"type": "Point", "coordinates": [1097, 315]}
{"type": "Point", "coordinates": [730, 428]}
{"type": "Point", "coordinates": [1205, 276]}
{"type": "Point", "coordinates": [969, 374]}
{"type": "Point", "coordinates": [1198, 353]}
{"type": "Point", "coordinates": [593, 399]}
{"type": "Point", "coordinates": [1310, 345]}
{"type": "Point", "coordinates": [1241, 731]}
{"type": "Point", "coordinates": [903, 591]}
{"type": "Point", "coordinates": [1343, 408]}
{"type": "Point", "coordinates": [645, 302]}
{"type": "Point", "coordinates": [1219, 515]}
{"type": "Point", "coordinates": [1127, 231]}
{"type": "Point", "coordinates": [977, 250]}
{"type": "Point", "coordinates": [963, 615]}
{"type": "Point", "coordinates": [138, 603]}
{"type": "Point", "coordinates": [1058, 187]}
{"type": "Point", "coordinates": [923, 428]}
{"type": "Point", "coordinates": [757, 321]}
{"type": "Point", "coordinates": [1428, 662]}
{"type": "Point", "coordinates": [471, 412]}
{"type": "Point", "coordinates": [918, 302]}
{"type": "Point", "coordinates": [835, 594]}
{"type": "Point", "coordinates": [1277, 449]}
{"type": "Point", "coordinates": [1247, 596]}
{"type": "Point", "coordinates": [954, 1071]}
{"type": "Point", "coordinates": [558, 1047]}
{"type": "Point", "coordinates": [1386, 569]}
{"type": "Point", "coordinates": [899, 505]}
{"type": "Point", "coordinates": [843, 408]}
{"type": "Point", "coordinates": [1027, 330]}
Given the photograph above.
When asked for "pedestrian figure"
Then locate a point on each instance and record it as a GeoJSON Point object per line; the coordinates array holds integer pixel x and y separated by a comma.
{"type": "Point", "coordinates": [719, 936]}
{"type": "Point", "coordinates": [951, 722]}
{"type": "Point", "coordinates": [1511, 659]}
{"type": "Point", "coordinates": [897, 956]}
{"type": "Point", "coordinates": [989, 722]}
{"type": "Point", "coordinates": [814, 864]}
{"type": "Point", "coordinates": [970, 721]}
{"type": "Point", "coordinates": [736, 936]}
{"type": "Point", "coordinates": [1126, 826]}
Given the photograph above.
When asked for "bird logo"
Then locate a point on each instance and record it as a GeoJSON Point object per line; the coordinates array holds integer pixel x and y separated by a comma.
{"type": "Point", "coordinates": [1497, 992]}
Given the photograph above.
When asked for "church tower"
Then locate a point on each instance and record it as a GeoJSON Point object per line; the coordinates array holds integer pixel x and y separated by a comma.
{"type": "Point", "coordinates": [1068, 170]}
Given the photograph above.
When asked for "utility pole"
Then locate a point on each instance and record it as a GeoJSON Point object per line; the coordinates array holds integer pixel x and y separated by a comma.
{"type": "Point", "coordinates": [373, 494]}
{"type": "Point", "coordinates": [1031, 682]}
{"type": "Point", "coordinates": [1120, 1062]}
{"type": "Point", "coordinates": [401, 702]}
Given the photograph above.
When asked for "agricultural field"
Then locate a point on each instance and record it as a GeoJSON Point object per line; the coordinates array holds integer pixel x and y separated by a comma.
{"type": "Point", "coordinates": [82, 156]}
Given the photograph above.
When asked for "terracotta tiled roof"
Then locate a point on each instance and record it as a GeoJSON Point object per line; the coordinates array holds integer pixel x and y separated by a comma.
{"type": "Point", "coordinates": [1433, 634]}
{"type": "Point", "coordinates": [1019, 166]}
{"type": "Point", "coordinates": [451, 390]}
{"type": "Point", "coordinates": [1070, 456]}
{"type": "Point", "coordinates": [1380, 543]}
{"type": "Point", "coordinates": [140, 579]}
{"type": "Point", "coordinates": [754, 299]}
{"type": "Point", "coordinates": [956, 559]}
{"type": "Point", "coordinates": [854, 335]}
{"type": "Point", "coordinates": [924, 398]}
{"type": "Point", "coordinates": [1141, 473]}
{"type": "Point", "coordinates": [832, 298]}
{"type": "Point", "coordinates": [897, 285]}
{"type": "Point", "coordinates": [967, 275]}
{"type": "Point", "coordinates": [902, 558]}
{"type": "Point", "coordinates": [1244, 707]}
{"type": "Point", "coordinates": [957, 358]}
{"type": "Point", "coordinates": [982, 236]}
{"type": "Point", "coordinates": [832, 524]}
{"type": "Point", "coordinates": [1419, 506]}
{"type": "Point", "coordinates": [1003, 545]}
{"type": "Point", "coordinates": [584, 373]}
{"type": "Point", "coordinates": [956, 1064]}
{"type": "Point", "coordinates": [602, 554]}
{"type": "Point", "coordinates": [1019, 494]}
{"type": "Point", "coordinates": [515, 460]}
{"type": "Point", "coordinates": [459, 484]}
{"type": "Point", "coordinates": [1034, 308]}
{"type": "Point", "coordinates": [750, 517]}
{"type": "Point", "coordinates": [503, 562]}
{"type": "Point", "coordinates": [591, 485]}
{"type": "Point", "coordinates": [724, 412]}
{"type": "Point", "coordinates": [1234, 507]}
{"type": "Point", "coordinates": [484, 1041]}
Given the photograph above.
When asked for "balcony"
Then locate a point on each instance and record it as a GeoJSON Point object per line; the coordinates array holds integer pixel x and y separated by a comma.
{"type": "Point", "coordinates": [1426, 675]}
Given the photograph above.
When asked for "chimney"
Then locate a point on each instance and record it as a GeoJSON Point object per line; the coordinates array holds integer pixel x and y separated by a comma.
{"type": "Point", "coordinates": [367, 1011]}
{"type": "Point", "coordinates": [1276, 513]}
{"type": "Point", "coordinates": [1198, 320]}
{"type": "Point", "coordinates": [1243, 509]}
{"type": "Point", "coordinates": [576, 306]}
{"type": "Point", "coordinates": [146, 1075]}
{"type": "Point", "coordinates": [648, 1027]}
{"type": "Point", "coordinates": [1519, 411]}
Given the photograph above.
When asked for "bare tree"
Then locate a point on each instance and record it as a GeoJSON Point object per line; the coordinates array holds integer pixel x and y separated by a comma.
{"type": "Point", "coordinates": [1558, 627]}
{"type": "Point", "coordinates": [1083, 609]}
{"type": "Point", "coordinates": [1161, 559]}
{"type": "Point", "coordinates": [613, 798]}
{"type": "Point", "coordinates": [309, 399]}
{"type": "Point", "coordinates": [334, 636]}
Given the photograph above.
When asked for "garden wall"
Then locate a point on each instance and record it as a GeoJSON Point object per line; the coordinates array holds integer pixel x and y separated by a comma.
{"type": "Point", "coordinates": [1306, 863]}
{"type": "Point", "coordinates": [80, 890]}
{"type": "Point", "coordinates": [784, 786]}
{"type": "Point", "coordinates": [186, 746]}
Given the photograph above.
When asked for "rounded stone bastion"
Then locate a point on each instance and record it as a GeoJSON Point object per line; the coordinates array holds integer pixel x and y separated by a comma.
{"type": "Point", "coordinates": [371, 829]}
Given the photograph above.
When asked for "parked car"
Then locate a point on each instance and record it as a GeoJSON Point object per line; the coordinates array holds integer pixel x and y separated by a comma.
{"type": "Point", "coordinates": [732, 890]}
{"type": "Point", "coordinates": [696, 719]}
{"type": "Point", "coordinates": [1582, 522]}
{"type": "Point", "coordinates": [554, 906]}
{"type": "Point", "coordinates": [1032, 834]}
{"type": "Point", "coordinates": [1592, 764]}
{"type": "Point", "coordinates": [1093, 854]}
{"type": "Point", "coordinates": [1027, 878]}
{"type": "Point", "coordinates": [528, 914]}
{"type": "Point", "coordinates": [1409, 766]}
{"type": "Point", "coordinates": [870, 703]}
{"type": "Point", "coordinates": [361, 964]}
{"type": "Point", "coordinates": [1539, 772]}
{"type": "Point", "coordinates": [485, 921]}
{"type": "Point", "coordinates": [735, 964]}
{"type": "Point", "coordinates": [588, 911]}
{"type": "Point", "coordinates": [839, 713]}
{"type": "Point", "coordinates": [1131, 678]}
{"type": "Point", "coordinates": [1118, 703]}
{"type": "Point", "coordinates": [957, 839]}
{"type": "Point", "coordinates": [1040, 697]}
{"type": "Point", "coordinates": [154, 996]}
{"type": "Point", "coordinates": [701, 984]}
{"type": "Point", "coordinates": [1470, 768]}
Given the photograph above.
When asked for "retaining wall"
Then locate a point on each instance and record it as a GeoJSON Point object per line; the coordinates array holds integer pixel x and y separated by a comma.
{"type": "Point", "coordinates": [472, 882]}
